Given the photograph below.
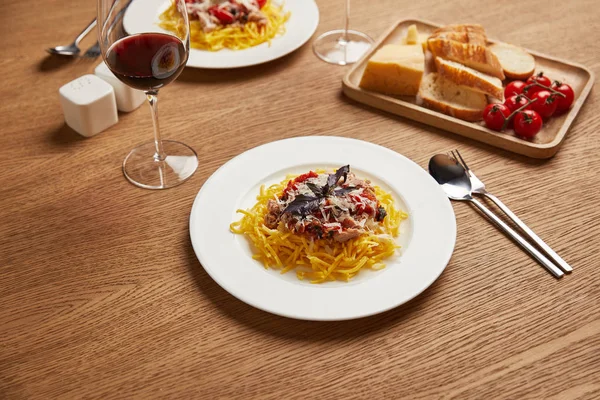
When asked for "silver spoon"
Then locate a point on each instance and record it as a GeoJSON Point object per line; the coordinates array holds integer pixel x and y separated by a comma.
{"type": "Point", "coordinates": [72, 49]}
{"type": "Point", "coordinates": [456, 183]}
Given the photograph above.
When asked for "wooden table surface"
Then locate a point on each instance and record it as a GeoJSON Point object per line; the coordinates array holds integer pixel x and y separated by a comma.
{"type": "Point", "coordinates": [102, 296]}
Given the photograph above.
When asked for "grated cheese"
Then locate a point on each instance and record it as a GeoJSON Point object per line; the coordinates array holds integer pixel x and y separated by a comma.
{"type": "Point", "coordinates": [319, 260]}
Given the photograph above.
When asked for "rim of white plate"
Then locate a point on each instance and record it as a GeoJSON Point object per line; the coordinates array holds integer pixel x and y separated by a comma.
{"type": "Point", "coordinates": [223, 256]}
{"type": "Point", "coordinates": [301, 26]}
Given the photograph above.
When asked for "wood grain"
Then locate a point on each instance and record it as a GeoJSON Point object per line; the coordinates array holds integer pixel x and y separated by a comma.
{"type": "Point", "coordinates": [102, 296]}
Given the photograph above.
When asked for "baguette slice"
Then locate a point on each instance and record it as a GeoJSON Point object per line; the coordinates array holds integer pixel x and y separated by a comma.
{"type": "Point", "coordinates": [468, 28]}
{"type": "Point", "coordinates": [516, 62]}
{"type": "Point", "coordinates": [473, 79]}
{"type": "Point", "coordinates": [443, 95]}
{"type": "Point", "coordinates": [463, 37]}
{"type": "Point", "coordinates": [475, 56]}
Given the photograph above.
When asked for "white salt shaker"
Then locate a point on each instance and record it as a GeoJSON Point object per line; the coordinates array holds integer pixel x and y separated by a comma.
{"type": "Point", "coordinates": [89, 105]}
{"type": "Point", "coordinates": [128, 99]}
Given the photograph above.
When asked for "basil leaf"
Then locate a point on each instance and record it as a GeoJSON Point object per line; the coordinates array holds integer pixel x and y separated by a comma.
{"type": "Point", "coordinates": [317, 190]}
{"type": "Point", "coordinates": [333, 179]}
{"type": "Point", "coordinates": [303, 205]}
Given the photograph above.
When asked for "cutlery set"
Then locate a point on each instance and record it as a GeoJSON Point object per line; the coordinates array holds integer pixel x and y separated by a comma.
{"type": "Point", "coordinates": [93, 52]}
{"type": "Point", "coordinates": [460, 184]}
{"type": "Point", "coordinates": [73, 49]}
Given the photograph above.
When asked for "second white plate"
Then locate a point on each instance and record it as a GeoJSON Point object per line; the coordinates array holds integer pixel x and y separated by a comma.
{"type": "Point", "coordinates": [427, 237]}
{"type": "Point", "coordinates": [142, 16]}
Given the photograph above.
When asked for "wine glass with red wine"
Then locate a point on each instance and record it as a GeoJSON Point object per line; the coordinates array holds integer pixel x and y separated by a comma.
{"type": "Point", "coordinates": [148, 61]}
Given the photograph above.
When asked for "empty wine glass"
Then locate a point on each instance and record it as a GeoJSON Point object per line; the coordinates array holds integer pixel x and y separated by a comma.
{"type": "Point", "coordinates": [148, 61]}
{"type": "Point", "coordinates": [342, 46]}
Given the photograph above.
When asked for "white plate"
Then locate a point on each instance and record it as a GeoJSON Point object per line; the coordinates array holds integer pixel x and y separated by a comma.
{"type": "Point", "coordinates": [142, 16]}
{"type": "Point", "coordinates": [427, 236]}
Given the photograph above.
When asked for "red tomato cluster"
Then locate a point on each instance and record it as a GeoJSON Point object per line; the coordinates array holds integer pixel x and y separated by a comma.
{"type": "Point", "coordinates": [527, 103]}
{"type": "Point", "coordinates": [228, 14]}
{"type": "Point", "coordinates": [292, 184]}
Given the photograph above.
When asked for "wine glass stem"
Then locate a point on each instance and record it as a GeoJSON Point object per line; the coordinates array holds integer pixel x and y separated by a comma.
{"type": "Point", "coordinates": [153, 101]}
{"type": "Point", "coordinates": [347, 21]}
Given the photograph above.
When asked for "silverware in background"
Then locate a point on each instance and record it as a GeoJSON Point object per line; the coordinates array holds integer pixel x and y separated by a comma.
{"type": "Point", "coordinates": [456, 184]}
{"type": "Point", "coordinates": [73, 48]}
{"type": "Point", "coordinates": [93, 52]}
{"type": "Point", "coordinates": [478, 187]}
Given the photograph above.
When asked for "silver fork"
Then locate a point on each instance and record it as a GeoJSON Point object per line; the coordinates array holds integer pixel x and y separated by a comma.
{"type": "Point", "coordinates": [93, 52]}
{"type": "Point", "coordinates": [478, 187]}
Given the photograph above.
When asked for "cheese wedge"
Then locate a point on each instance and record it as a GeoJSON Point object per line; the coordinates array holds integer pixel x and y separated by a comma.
{"type": "Point", "coordinates": [414, 37]}
{"type": "Point", "coordinates": [395, 69]}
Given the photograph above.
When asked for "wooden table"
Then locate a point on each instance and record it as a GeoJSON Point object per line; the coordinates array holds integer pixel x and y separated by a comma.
{"type": "Point", "coordinates": [102, 296]}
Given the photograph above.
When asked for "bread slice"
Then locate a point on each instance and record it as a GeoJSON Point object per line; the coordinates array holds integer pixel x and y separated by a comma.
{"type": "Point", "coordinates": [469, 28]}
{"type": "Point", "coordinates": [463, 37]}
{"type": "Point", "coordinates": [475, 56]}
{"type": "Point", "coordinates": [457, 101]}
{"type": "Point", "coordinates": [473, 79]}
{"type": "Point", "coordinates": [516, 62]}
{"type": "Point", "coordinates": [460, 28]}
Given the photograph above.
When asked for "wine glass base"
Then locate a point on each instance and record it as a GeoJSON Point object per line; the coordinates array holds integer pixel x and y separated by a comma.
{"type": "Point", "coordinates": [332, 48]}
{"type": "Point", "coordinates": [143, 170]}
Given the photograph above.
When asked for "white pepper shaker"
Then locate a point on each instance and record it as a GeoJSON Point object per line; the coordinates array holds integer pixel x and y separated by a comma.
{"type": "Point", "coordinates": [89, 105]}
{"type": "Point", "coordinates": [128, 99]}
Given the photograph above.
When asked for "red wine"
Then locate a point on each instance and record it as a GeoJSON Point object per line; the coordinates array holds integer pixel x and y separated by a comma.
{"type": "Point", "coordinates": [147, 61]}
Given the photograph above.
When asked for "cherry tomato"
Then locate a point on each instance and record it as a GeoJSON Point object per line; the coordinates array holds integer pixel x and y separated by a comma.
{"type": "Point", "coordinates": [303, 177]}
{"type": "Point", "coordinates": [515, 87]}
{"type": "Point", "coordinates": [563, 103]}
{"type": "Point", "coordinates": [224, 16]}
{"type": "Point", "coordinates": [539, 78]}
{"type": "Point", "coordinates": [494, 116]}
{"type": "Point", "coordinates": [527, 124]}
{"type": "Point", "coordinates": [515, 102]}
{"type": "Point", "coordinates": [261, 3]}
{"type": "Point", "coordinates": [546, 103]}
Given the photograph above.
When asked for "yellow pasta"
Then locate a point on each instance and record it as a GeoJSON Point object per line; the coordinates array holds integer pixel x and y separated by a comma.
{"type": "Point", "coordinates": [232, 37]}
{"type": "Point", "coordinates": [318, 260]}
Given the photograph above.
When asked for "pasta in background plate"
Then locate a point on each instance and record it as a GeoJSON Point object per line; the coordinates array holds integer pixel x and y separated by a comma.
{"type": "Point", "coordinates": [234, 25]}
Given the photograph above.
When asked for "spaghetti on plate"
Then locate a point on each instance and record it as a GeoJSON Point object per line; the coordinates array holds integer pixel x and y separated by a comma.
{"type": "Point", "coordinates": [228, 24]}
{"type": "Point", "coordinates": [325, 226]}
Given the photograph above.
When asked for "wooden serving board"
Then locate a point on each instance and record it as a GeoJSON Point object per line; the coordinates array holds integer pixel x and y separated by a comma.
{"type": "Point", "coordinates": [544, 145]}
